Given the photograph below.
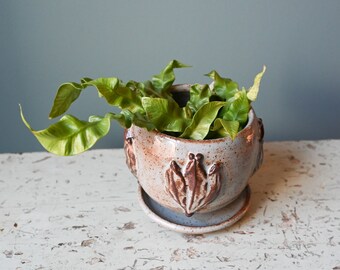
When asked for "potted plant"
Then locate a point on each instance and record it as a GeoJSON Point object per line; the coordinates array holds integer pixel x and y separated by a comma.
{"type": "Point", "coordinates": [192, 147]}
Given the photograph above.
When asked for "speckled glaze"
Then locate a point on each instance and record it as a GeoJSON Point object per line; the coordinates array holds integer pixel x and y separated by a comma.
{"type": "Point", "coordinates": [200, 222]}
{"type": "Point", "coordinates": [165, 166]}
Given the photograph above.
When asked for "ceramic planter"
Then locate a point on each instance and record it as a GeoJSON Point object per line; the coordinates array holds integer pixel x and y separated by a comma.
{"type": "Point", "coordinates": [184, 180]}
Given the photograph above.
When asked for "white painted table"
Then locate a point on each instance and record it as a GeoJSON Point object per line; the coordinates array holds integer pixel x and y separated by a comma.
{"type": "Point", "coordinates": [82, 213]}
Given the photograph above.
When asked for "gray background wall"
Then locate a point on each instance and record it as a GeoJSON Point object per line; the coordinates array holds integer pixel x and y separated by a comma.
{"type": "Point", "coordinates": [46, 43]}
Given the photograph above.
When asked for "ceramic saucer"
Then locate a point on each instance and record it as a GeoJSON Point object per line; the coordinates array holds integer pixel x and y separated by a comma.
{"type": "Point", "coordinates": [198, 223]}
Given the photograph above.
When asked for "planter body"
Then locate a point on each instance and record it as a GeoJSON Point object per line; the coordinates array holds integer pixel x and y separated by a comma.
{"type": "Point", "coordinates": [191, 176]}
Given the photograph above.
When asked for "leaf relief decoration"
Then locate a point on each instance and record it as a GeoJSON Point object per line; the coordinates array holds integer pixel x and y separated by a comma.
{"type": "Point", "coordinates": [195, 187]}
{"type": "Point", "coordinates": [259, 159]}
{"type": "Point", "coordinates": [129, 153]}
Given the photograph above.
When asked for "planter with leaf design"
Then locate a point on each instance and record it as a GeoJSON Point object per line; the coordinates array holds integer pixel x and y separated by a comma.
{"type": "Point", "coordinates": [191, 177]}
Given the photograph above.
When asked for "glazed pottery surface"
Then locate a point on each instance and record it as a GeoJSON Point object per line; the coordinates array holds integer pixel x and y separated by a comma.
{"type": "Point", "coordinates": [190, 176]}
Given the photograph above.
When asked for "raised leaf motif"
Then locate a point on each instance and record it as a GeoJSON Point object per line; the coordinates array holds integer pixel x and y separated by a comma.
{"type": "Point", "coordinates": [260, 153]}
{"type": "Point", "coordinates": [175, 184]}
{"type": "Point", "coordinates": [194, 188]}
{"type": "Point", "coordinates": [129, 153]}
{"type": "Point", "coordinates": [215, 183]}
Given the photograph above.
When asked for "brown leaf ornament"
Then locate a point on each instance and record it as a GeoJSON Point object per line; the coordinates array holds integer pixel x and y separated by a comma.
{"type": "Point", "coordinates": [193, 188]}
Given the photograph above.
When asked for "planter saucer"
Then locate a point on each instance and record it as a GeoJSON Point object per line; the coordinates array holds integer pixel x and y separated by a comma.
{"type": "Point", "coordinates": [198, 223]}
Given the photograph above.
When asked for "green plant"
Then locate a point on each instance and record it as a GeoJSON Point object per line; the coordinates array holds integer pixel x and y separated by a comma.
{"type": "Point", "coordinates": [216, 110]}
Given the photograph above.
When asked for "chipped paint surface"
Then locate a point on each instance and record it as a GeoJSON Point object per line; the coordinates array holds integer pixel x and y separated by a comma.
{"type": "Point", "coordinates": [82, 213]}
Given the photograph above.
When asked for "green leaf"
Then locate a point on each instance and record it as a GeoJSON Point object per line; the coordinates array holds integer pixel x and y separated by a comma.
{"type": "Point", "coordinates": [142, 121]}
{"type": "Point", "coordinates": [71, 136]}
{"type": "Point", "coordinates": [165, 114]}
{"type": "Point", "coordinates": [225, 128]}
{"type": "Point", "coordinates": [202, 120]}
{"type": "Point", "coordinates": [225, 88]}
{"type": "Point", "coordinates": [254, 90]}
{"type": "Point", "coordinates": [145, 89]}
{"type": "Point", "coordinates": [199, 96]}
{"type": "Point", "coordinates": [238, 109]}
{"type": "Point", "coordinates": [117, 94]}
{"type": "Point", "coordinates": [134, 86]}
{"type": "Point", "coordinates": [85, 80]}
{"type": "Point", "coordinates": [66, 95]}
{"type": "Point", "coordinates": [124, 118]}
{"type": "Point", "coordinates": [166, 77]}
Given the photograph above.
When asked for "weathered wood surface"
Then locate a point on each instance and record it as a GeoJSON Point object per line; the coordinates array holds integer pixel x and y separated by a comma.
{"type": "Point", "coordinates": [82, 213]}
